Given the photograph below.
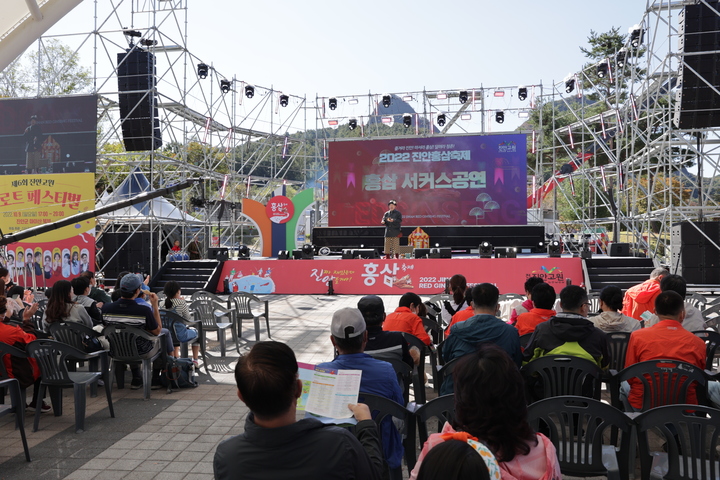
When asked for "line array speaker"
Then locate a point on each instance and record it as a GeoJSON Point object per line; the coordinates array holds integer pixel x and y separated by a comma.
{"type": "Point", "coordinates": [138, 103]}
{"type": "Point", "coordinates": [697, 259]}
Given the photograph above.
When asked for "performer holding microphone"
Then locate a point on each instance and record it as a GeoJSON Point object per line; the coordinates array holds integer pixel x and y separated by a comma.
{"type": "Point", "coordinates": [392, 221]}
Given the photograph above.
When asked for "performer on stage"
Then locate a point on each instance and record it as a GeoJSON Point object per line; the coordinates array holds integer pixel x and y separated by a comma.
{"type": "Point", "coordinates": [392, 221]}
{"type": "Point", "coordinates": [33, 146]}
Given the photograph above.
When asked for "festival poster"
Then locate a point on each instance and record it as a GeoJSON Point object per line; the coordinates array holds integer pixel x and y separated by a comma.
{"type": "Point", "coordinates": [392, 277]}
{"type": "Point", "coordinates": [32, 200]}
{"type": "Point", "coordinates": [441, 180]}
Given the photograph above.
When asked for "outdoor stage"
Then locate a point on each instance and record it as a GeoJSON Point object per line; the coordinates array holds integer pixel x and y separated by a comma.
{"type": "Point", "coordinates": [392, 277]}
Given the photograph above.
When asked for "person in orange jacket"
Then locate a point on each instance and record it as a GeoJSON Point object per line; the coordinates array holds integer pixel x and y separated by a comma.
{"type": "Point", "coordinates": [641, 298]}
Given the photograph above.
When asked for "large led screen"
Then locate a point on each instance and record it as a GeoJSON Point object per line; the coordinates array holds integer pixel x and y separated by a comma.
{"type": "Point", "coordinates": [449, 180]}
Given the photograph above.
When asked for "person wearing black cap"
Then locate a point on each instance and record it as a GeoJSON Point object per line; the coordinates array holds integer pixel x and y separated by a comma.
{"type": "Point", "coordinates": [392, 221]}
{"type": "Point", "coordinates": [33, 146]}
{"type": "Point", "coordinates": [349, 337]}
{"type": "Point", "coordinates": [383, 345]}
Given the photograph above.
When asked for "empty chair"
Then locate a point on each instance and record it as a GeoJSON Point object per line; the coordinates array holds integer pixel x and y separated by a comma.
{"type": "Point", "coordinates": [712, 342]}
{"type": "Point", "coordinates": [52, 357]}
{"type": "Point", "coordinates": [18, 405]}
{"type": "Point", "coordinates": [440, 408]}
{"type": "Point", "coordinates": [209, 313]}
{"type": "Point", "coordinates": [563, 375]}
{"type": "Point", "coordinates": [203, 295]}
{"type": "Point", "coordinates": [691, 435]}
{"type": "Point", "coordinates": [6, 349]}
{"type": "Point", "coordinates": [617, 347]}
{"type": "Point", "coordinates": [78, 336]}
{"type": "Point", "coordinates": [133, 345]}
{"type": "Point", "coordinates": [241, 305]}
{"type": "Point", "coordinates": [577, 427]}
{"type": "Point", "coordinates": [404, 375]}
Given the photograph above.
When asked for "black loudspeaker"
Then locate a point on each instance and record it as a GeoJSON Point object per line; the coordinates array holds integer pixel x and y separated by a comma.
{"type": "Point", "coordinates": [444, 252]}
{"type": "Point", "coordinates": [365, 253]}
{"type": "Point", "coordinates": [619, 250]}
{"type": "Point", "coordinates": [698, 106]}
{"type": "Point", "coordinates": [283, 255]}
{"type": "Point", "coordinates": [694, 256]}
{"type": "Point", "coordinates": [137, 100]}
{"type": "Point", "coordinates": [421, 252]}
{"type": "Point", "coordinates": [129, 254]}
{"type": "Point", "coordinates": [218, 253]}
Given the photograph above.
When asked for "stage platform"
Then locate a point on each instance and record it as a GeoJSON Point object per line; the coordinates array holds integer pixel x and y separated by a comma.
{"type": "Point", "coordinates": [424, 276]}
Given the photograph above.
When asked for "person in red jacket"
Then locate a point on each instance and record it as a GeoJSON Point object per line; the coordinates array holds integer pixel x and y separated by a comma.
{"type": "Point", "coordinates": [543, 298]}
{"type": "Point", "coordinates": [405, 318]}
{"type": "Point", "coordinates": [641, 298]}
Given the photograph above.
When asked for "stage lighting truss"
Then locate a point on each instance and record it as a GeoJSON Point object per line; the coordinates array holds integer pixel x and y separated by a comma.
{"type": "Point", "coordinates": [499, 116]}
{"type": "Point", "coordinates": [284, 100]}
{"type": "Point", "coordinates": [522, 93]}
{"type": "Point", "coordinates": [386, 100]}
{"type": "Point", "coordinates": [463, 96]}
{"type": "Point", "coordinates": [203, 70]}
{"type": "Point", "coordinates": [332, 103]}
{"type": "Point", "coordinates": [602, 69]}
{"type": "Point", "coordinates": [441, 119]}
{"type": "Point", "coordinates": [249, 91]}
{"type": "Point", "coordinates": [485, 249]}
{"type": "Point", "coordinates": [407, 120]}
{"type": "Point", "coordinates": [224, 86]}
{"type": "Point", "coordinates": [352, 123]}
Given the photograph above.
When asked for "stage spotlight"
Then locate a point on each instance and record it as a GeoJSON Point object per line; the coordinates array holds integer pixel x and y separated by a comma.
{"type": "Point", "coordinates": [407, 120]}
{"type": "Point", "coordinates": [441, 119]}
{"type": "Point", "coordinates": [602, 69]}
{"type": "Point", "coordinates": [332, 103]}
{"type": "Point", "coordinates": [553, 249]}
{"type": "Point", "coordinates": [522, 94]}
{"type": "Point", "coordinates": [244, 252]}
{"type": "Point", "coordinates": [499, 116]}
{"type": "Point", "coordinates": [463, 96]}
{"type": "Point", "coordinates": [203, 70]}
{"type": "Point", "coordinates": [636, 35]}
{"type": "Point", "coordinates": [585, 252]}
{"type": "Point", "coordinates": [146, 42]}
{"type": "Point", "coordinates": [284, 100]}
{"type": "Point", "coordinates": [352, 123]}
{"type": "Point", "coordinates": [486, 250]}
{"type": "Point", "coordinates": [224, 86]}
{"type": "Point", "coordinates": [620, 57]}
{"type": "Point", "coordinates": [324, 251]}
{"type": "Point", "coordinates": [511, 252]}
{"type": "Point", "coordinates": [283, 255]}
{"type": "Point", "coordinates": [386, 100]}
{"type": "Point", "coordinates": [308, 252]}
{"type": "Point", "coordinates": [569, 83]}
{"type": "Point", "coordinates": [249, 91]}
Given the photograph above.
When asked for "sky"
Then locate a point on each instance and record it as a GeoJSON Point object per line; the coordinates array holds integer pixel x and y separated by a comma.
{"type": "Point", "coordinates": [331, 47]}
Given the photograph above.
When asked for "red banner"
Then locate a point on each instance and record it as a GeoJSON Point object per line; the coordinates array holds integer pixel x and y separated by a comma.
{"type": "Point", "coordinates": [392, 277]}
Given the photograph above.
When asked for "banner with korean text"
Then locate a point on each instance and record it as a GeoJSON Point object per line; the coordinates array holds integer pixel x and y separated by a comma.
{"type": "Point", "coordinates": [443, 180]}
{"type": "Point", "coordinates": [32, 200]}
{"type": "Point", "coordinates": [392, 277]}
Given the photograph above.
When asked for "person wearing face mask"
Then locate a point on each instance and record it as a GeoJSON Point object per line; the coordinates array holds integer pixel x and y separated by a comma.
{"type": "Point", "coordinates": [405, 318]}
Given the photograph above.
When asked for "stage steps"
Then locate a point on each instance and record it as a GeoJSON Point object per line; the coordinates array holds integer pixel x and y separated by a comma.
{"type": "Point", "coordinates": [623, 272]}
{"type": "Point", "coordinates": [192, 275]}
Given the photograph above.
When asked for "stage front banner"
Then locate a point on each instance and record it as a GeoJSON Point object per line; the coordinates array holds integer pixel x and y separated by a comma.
{"type": "Point", "coordinates": [392, 277]}
{"type": "Point", "coordinates": [32, 200]}
{"type": "Point", "coordinates": [441, 180]}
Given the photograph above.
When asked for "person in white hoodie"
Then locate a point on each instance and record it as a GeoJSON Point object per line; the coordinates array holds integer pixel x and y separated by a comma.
{"type": "Point", "coordinates": [610, 319]}
{"type": "Point", "coordinates": [694, 321]}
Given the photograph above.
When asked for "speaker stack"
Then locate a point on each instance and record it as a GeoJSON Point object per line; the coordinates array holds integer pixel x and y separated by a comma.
{"type": "Point", "coordinates": [128, 254]}
{"type": "Point", "coordinates": [138, 104]}
{"type": "Point", "coordinates": [697, 105]}
{"type": "Point", "coordinates": [697, 259]}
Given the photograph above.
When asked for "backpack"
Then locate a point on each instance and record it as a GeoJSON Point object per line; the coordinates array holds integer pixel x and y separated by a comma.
{"type": "Point", "coordinates": [177, 374]}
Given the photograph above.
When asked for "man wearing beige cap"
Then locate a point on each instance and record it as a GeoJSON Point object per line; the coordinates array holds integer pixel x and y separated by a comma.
{"type": "Point", "coordinates": [392, 219]}
{"type": "Point", "coordinates": [349, 336]}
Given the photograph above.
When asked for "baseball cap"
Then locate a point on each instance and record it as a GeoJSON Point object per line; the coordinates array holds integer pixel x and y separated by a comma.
{"type": "Point", "coordinates": [347, 323]}
{"type": "Point", "coordinates": [130, 283]}
{"type": "Point", "coordinates": [371, 304]}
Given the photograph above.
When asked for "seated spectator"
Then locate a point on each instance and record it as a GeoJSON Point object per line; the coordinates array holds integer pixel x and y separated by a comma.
{"type": "Point", "coordinates": [274, 445]}
{"type": "Point", "coordinates": [457, 287]}
{"type": "Point", "coordinates": [349, 337]}
{"type": "Point", "coordinates": [61, 308]}
{"type": "Point", "coordinates": [24, 369]}
{"type": "Point", "coordinates": [484, 326]}
{"type": "Point", "coordinates": [570, 332]}
{"type": "Point", "coordinates": [610, 319]}
{"type": "Point", "coordinates": [641, 298]}
{"type": "Point", "coordinates": [665, 339]}
{"type": "Point", "coordinates": [116, 293]}
{"type": "Point", "coordinates": [543, 299]}
{"type": "Point", "coordinates": [81, 289]}
{"type": "Point", "coordinates": [458, 459]}
{"type": "Point", "coordinates": [405, 318]}
{"type": "Point", "coordinates": [527, 305]}
{"type": "Point", "coordinates": [381, 344]}
{"type": "Point", "coordinates": [463, 314]}
{"type": "Point", "coordinates": [488, 377]}
{"type": "Point", "coordinates": [97, 294]}
{"type": "Point", "coordinates": [175, 302]}
{"type": "Point", "coordinates": [694, 320]}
